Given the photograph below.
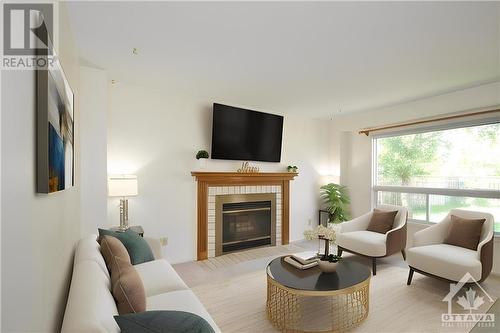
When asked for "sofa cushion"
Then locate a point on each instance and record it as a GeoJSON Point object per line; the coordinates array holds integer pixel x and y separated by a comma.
{"type": "Point", "coordinates": [382, 221]}
{"type": "Point", "coordinates": [136, 246]}
{"type": "Point", "coordinates": [464, 232]}
{"type": "Point", "coordinates": [159, 277]}
{"type": "Point", "coordinates": [163, 322]}
{"type": "Point", "coordinates": [363, 242]}
{"type": "Point", "coordinates": [111, 247]}
{"type": "Point", "coordinates": [444, 260]}
{"type": "Point", "coordinates": [180, 300]}
{"type": "Point", "coordinates": [127, 288]}
{"type": "Point", "coordinates": [90, 307]}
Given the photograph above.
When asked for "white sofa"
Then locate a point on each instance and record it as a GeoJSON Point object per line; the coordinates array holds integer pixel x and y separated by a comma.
{"type": "Point", "coordinates": [429, 256]}
{"type": "Point", "coordinates": [91, 307]}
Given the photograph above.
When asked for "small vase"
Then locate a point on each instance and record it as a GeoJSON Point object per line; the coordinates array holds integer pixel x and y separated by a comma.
{"type": "Point", "coordinates": [327, 267]}
{"type": "Point", "coordinates": [202, 163]}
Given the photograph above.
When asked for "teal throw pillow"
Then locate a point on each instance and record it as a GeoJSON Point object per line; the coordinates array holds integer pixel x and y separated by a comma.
{"type": "Point", "coordinates": [137, 247]}
{"type": "Point", "coordinates": [163, 322]}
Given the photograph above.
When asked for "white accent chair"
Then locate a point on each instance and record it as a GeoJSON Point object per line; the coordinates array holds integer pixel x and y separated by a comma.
{"type": "Point", "coordinates": [429, 256]}
{"type": "Point", "coordinates": [354, 238]}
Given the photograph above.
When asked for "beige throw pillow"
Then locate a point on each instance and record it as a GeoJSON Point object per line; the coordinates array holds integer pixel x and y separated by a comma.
{"type": "Point", "coordinates": [126, 284]}
{"type": "Point", "coordinates": [464, 232]}
{"type": "Point", "coordinates": [127, 288]}
{"type": "Point", "coordinates": [112, 247]}
{"type": "Point", "coordinates": [382, 221]}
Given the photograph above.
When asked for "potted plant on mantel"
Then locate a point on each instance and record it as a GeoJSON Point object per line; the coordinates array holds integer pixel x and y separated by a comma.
{"type": "Point", "coordinates": [327, 262]}
{"type": "Point", "coordinates": [202, 156]}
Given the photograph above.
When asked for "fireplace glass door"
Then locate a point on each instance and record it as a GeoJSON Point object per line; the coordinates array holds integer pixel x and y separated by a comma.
{"type": "Point", "coordinates": [246, 224]}
{"type": "Point", "coordinates": [245, 221]}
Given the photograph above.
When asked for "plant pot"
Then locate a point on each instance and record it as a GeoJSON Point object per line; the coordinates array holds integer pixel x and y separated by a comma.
{"type": "Point", "coordinates": [328, 267]}
{"type": "Point", "coordinates": [202, 163]}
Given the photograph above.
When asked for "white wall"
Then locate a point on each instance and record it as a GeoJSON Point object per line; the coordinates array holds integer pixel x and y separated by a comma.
{"type": "Point", "coordinates": [355, 149]}
{"type": "Point", "coordinates": [93, 148]}
{"type": "Point", "coordinates": [39, 232]}
{"type": "Point", "coordinates": [355, 172]}
{"type": "Point", "coordinates": [156, 135]}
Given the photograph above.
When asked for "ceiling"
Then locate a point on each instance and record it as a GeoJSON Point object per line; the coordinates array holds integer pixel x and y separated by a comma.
{"type": "Point", "coordinates": [295, 57]}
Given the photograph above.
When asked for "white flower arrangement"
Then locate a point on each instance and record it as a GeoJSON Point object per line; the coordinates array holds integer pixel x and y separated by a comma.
{"type": "Point", "coordinates": [321, 232]}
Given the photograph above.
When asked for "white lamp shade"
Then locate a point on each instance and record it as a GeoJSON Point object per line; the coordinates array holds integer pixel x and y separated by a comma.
{"type": "Point", "coordinates": [122, 186]}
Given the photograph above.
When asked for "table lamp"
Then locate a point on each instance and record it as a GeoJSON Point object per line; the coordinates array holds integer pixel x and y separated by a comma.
{"type": "Point", "coordinates": [123, 186]}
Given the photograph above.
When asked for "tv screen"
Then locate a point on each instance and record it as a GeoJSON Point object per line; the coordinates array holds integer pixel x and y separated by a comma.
{"type": "Point", "coordinates": [240, 134]}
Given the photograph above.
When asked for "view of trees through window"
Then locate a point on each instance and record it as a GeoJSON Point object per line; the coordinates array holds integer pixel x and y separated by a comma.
{"type": "Point", "coordinates": [466, 159]}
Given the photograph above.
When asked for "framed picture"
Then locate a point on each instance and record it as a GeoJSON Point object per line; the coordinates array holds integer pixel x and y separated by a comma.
{"type": "Point", "coordinates": [55, 128]}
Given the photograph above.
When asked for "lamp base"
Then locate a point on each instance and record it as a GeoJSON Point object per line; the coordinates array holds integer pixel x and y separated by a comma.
{"type": "Point", "coordinates": [122, 228]}
{"type": "Point", "coordinates": [123, 215]}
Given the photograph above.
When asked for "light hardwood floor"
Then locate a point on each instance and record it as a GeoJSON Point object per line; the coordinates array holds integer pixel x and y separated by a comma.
{"type": "Point", "coordinates": [233, 289]}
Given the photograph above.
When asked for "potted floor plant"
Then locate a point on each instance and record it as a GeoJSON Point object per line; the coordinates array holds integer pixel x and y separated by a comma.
{"type": "Point", "coordinates": [336, 199]}
{"type": "Point", "coordinates": [327, 262]}
{"type": "Point", "coordinates": [202, 156]}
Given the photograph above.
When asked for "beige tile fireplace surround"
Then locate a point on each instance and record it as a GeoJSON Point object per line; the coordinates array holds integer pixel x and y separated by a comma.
{"type": "Point", "coordinates": [215, 188]}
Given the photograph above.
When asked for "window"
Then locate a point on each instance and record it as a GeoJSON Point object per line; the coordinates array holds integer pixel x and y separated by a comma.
{"type": "Point", "coordinates": [435, 171]}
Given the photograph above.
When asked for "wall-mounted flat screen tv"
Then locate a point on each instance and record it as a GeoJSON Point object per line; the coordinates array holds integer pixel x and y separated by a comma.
{"type": "Point", "coordinates": [241, 134]}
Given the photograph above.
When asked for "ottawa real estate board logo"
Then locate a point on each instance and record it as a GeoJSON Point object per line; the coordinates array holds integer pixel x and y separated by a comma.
{"type": "Point", "coordinates": [27, 35]}
{"type": "Point", "coordinates": [467, 305]}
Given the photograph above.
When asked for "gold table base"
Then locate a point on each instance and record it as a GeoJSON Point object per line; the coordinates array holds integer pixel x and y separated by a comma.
{"type": "Point", "coordinates": [293, 310]}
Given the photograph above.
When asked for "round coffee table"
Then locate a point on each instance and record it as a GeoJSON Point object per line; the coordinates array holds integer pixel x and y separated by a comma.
{"type": "Point", "coordinates": [312, 301]}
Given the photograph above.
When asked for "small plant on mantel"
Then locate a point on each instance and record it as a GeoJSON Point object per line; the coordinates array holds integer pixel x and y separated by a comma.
{"type": "Point", "coordinates": [202, 154]}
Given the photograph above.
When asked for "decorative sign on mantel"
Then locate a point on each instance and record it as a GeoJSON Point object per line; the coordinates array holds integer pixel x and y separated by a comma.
{"type": "Point", "coordinates": [246, 168]}
{"type": "Point", "coordinates": [207, 180]}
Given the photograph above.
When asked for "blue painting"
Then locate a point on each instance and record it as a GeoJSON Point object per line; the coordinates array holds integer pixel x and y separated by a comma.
{"type": "Point", "coordinates": [55, 132]}
{"type": "Point", "coordinates": [56, 160]}
{"type": "Point", "coordinates": [55, 127]}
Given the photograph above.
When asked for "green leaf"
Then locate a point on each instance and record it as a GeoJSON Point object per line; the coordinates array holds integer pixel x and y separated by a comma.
{"type": "Point", "coordinates": [335, 198]}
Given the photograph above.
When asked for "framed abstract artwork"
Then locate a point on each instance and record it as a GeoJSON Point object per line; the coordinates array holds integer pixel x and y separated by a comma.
{"type": "Point", "coordinates": [55, 129]}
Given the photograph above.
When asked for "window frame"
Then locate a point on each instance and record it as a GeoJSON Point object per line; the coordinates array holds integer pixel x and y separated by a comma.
{"type": "Point", "coordinates": [428, 191]}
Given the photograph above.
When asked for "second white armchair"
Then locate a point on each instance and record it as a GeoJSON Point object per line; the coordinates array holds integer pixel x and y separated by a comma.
{"type": "Point", "coordinates": [431, 255]}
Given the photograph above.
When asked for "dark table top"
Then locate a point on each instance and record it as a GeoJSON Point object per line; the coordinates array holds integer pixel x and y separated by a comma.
{"type": "Point", "coordinates": [348, 274]}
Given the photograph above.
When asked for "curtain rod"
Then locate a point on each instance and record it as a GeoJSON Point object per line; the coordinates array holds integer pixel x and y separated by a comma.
{"type": "Point", "coordinates": [367, 131]}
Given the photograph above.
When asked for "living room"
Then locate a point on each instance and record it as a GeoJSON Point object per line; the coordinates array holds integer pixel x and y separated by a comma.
{"type": "Point", "coordinates": [395, 104]}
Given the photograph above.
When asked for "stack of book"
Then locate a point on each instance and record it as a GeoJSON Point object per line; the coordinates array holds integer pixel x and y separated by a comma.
{"type": "Point", "coordinates": [303, 260]}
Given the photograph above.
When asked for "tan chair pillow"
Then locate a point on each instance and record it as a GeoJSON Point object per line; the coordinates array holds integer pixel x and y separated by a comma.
{"type": "Point", "coordinates": [464, 232]}
{"type": "Point", "coordinates": [382, 221]}
{"type": "Point", "coordinates": [112, 247]}
{"type": "Point", "coordinates": [127, 288]}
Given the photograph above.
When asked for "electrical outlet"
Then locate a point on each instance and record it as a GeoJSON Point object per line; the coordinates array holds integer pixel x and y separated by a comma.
{"type": "Point", "coordinates": [309, 222]}
{"type": "Point", "coordinates": [164, 241]}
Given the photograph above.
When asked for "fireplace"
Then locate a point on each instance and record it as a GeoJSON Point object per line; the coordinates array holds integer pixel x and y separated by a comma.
{"type": "Point", "coordinates": [211, 185]}
{"type": "Point", "coordinates": [244, 221]}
